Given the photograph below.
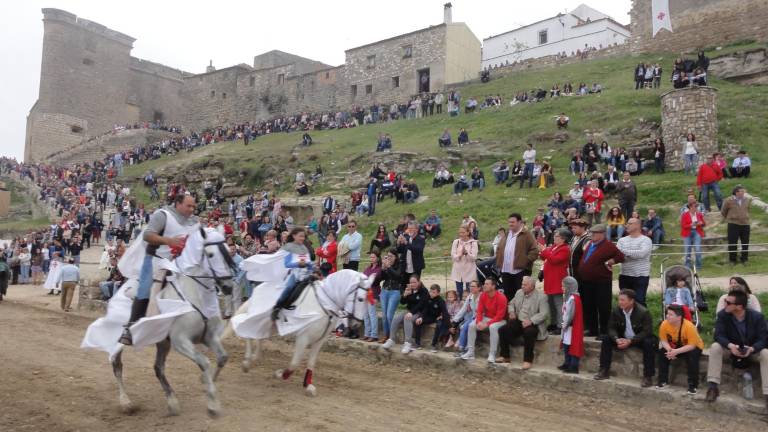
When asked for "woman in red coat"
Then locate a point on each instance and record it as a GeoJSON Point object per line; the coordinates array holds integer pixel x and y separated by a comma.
{"type": "Point", "coordinates": [692, 225]}
{"type": "Point", "coordinates": [556, 259]}
{"type": "Point", "coordinates": [593, 202]}
{"type": "Point", "coordinates": [328, 250]}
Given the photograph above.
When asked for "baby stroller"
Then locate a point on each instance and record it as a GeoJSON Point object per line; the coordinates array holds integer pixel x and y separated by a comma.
{"type": "Point", "coordinates": [487, 268]}
{"type": "Point", "coordinates": [671, 275]}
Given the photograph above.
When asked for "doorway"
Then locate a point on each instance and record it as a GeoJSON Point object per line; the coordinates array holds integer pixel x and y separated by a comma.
{"type": "Point", "coordinates": [423, 76]}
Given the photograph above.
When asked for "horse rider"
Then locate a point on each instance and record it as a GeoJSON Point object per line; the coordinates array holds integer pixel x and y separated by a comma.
{"type": "Point", "coordinates": [165, 235]}
{"type": "Point", "coordinates": [299, 264]}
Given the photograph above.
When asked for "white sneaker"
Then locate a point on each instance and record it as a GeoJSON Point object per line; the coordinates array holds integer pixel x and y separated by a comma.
{"type": "Point", "coordinates": [469, 355]}
{"type": "Point", "coordinates": [406, 348]}
{"type": "Point", "coordinates": [388, 344]}
{"type": "Point", "coordinates": [491, 358]}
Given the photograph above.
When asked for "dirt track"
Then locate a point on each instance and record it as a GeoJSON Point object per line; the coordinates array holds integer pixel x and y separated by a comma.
{"type": "Point", "coordinates": [48, 384]}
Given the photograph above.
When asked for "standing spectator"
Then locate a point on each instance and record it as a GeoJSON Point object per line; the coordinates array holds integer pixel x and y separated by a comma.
{"type": "Point", "coordinates": [659, 154]}
{"type": "Point", "coordinates": [515, 254]}
{"type": "Point", "coordinates": [626, 191]}
{"type": "Point", "coordinates": [555, 269]}
{"type": "Point", "coordinates": [327, 252]}
{"type": "Point", "coordinates": [370, 192]}
{"type": "Point", "coordinates": [630, 326]}
{"type": "Point", "coordinates": [464, 254]}
{"type": "Point", "coordinates": [639, 76]}
{"type": "Point", "coordinates": [636, 269]}
{"type": "Point", "coordinates": [735, 211]}
{"type": "Point", "coordinates": [490, 315]}
{"type": "Point", "coordinates": [593, 202]}
{"type": "Point", "coordinates": [740, 333]}
{"type": "Point", "coordinates": [371, 318]}
{"type": "Point", "coordinates": [25, 264]}
{"type": "Point", "coordinates": [708, 179]}
{"type": "Point", "coordinates": [579, 239]}
{"type": "Point", "coordinates": [352, 243]}
{"type": "Point", "coordinates": [573, 327]}
{"type": "Point", "coordinates": [595, 273]}
{"type": "Point", "coordinates": [692, 225]}
{"type": "Point", "coordinates": [690, 153]}
{"type": "Point", "coordinates": [69, 276]}
{"type": "Point", "coordinates": [527, 317]}
{"type": "Point", "coordinates": [5, 274]}
{"type": "Point", "coordinates": [529, 160]}
{"type": "Point", "coordinates": [679, 338]}
{"type": "Point", "coordinates": [741, 165]}
{"type": "Point", "coordinates": [391, 280]}
{"type": "Point", "coordinates": [410, 246]}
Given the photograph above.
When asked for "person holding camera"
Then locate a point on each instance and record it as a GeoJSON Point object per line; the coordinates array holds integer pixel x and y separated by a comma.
{"type": "Point", "coordinates": [740, 333]}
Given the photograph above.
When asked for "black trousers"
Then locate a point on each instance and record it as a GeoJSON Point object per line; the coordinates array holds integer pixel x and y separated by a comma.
{"type": "Point", "coordinates": [648, 346]}
{"type": "Point", "coordinates": [510, 283]}
{"type": "Point", "coordinates": [514, 329]}
{"type": "Point", "coordinates": [596, 299]}
{"type": "Point", "coordinates": [638, 284]}
{"type": "Point", "coordinates": [691, 359]}
{"type": "Point", "coordinates": [738, 233]}
{"type": "Point", "coordinates": [352, 265]}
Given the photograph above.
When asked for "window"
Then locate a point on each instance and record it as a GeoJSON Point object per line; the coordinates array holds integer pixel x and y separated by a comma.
{"type": "Point", "coordinates": [542, 37]}
{"type": "Point", "coordinates": [327, 75]}
{"type": "Point", "coordinates": [226, 74]}
{"type": "Point", "coordinates": [223, 95]}
{"type": "Point", "coordinates": [280, 79]}
{"type": "Point", "coordinates": [76, 129]}
{"type": "Point", "coordinates": [87, 62]}
{"type": "Point", "coordinates": [395, 82]}
{"type": "Point", "coordinates": [213, 93]}
{"type": "Point", "coordinates": [371, 61]}
{"type": "Point", "coordinates": [369, 89]}
{"type": "Point", "coordinates": [353, 90]}
{"type": "Point", "coordinates": [407, 51]}
{"type": "Point", "coordinates": [252, 81]}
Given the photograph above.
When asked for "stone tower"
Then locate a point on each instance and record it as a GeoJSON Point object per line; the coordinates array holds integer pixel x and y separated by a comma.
{"type": "Point", "coordinates": [684, 111]}
{"type": "Point", "coordinates": [83, 84]}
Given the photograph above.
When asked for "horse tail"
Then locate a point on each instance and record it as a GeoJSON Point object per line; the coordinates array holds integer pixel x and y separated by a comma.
{"type": "Point", "coordinates": [229, 330]}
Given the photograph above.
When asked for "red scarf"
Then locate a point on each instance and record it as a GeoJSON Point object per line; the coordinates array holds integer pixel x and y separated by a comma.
{"type": "Point", "coordinates": [576, 348]}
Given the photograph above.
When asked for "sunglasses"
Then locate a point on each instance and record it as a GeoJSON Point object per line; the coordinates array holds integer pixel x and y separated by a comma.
{"type": "Point", "coordinates": [729, 303]}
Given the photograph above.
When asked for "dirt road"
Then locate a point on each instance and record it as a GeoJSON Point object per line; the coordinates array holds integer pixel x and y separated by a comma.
{"type": "Point", "coordinates": [48, 384]}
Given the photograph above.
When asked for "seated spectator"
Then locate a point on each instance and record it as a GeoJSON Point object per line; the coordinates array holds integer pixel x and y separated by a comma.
{"type": "Point", "coordinates": [381, 240]}
{"type": "Point", "coordinates": [462, 183]}
{"type": "Point", "coordinates": [572, 327]}
{"type": "Point", "coordinates": [432, 226]}
{"type": "Point", "coordinates": [680, 294]}
{"type": "Point", "coordinates": [556, 202]}
{"type": "Point", "coordinates": [738, 283]}
{"type": "Point", "coordinates": [328, 251]}
{"type": "Point", "coordinates": [306, 140]}
{"type": "Point", "coordinates": [699, 77]}
{"type": "Point", "coordinates": [554, 91]}
{"type": "Point", "coordinates": [614, 220]}
{"type": "Point", "coordinates": [596, 88]}
{"type": "Point", "coordinates": [445, 139]}
{"type": "Point", "coordinates": [442, 177]}
{"type": "Point", "coordinates": [741, 165]}
{"type": "Point", "coordinates": [415, 299]}
{"type": "Point", "coordinates": [463, 137]}
{"type": "Point", "coordinates": [364, 206]}
{"type": "Point", "coordinates": [546, 175]}
{"type": "Point", "coordinates": [501, 171]}
{"type": "Point", "coordinates": [653, 227]}
{"type": "Point", "coordinates": [527, 317]}
{"type": "Point", "coordinates": [611, 180]}
{"type": "Point", "coordinates": [515, 174]}
{"type": "Point", "coordinates": [411, 193]}
{"type": "Point", "coordinates": [562, 121]}
{"type": "Point", "coordinates": [477, 179]}
{"type": "Point", "coordinates": [302, 188]}
{"type": "Point", "coordinates": [740, 333]}
{"type": "Point", "coordinates": [490, 315]}
{"type": "Point", "coordinates": [115, 279]}
{"type": "Point", "coordinates": [577, 165]}
{"type": "Point", "coordinates": [630, 326]}
{"type": "Point", "coordinates": [435, 312]}
{"type": "Point", "coordinates": [465, 316]}
{"type": "Point", "coordinates": [679, 338]}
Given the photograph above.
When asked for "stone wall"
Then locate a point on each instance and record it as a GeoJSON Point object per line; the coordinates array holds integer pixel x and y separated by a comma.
{"type": "Point", "coordinates": [698, 24]}
{"type": "Point", "coordinates": [689, 110]}
{"type": "Point", "coordinates": [743, 67]}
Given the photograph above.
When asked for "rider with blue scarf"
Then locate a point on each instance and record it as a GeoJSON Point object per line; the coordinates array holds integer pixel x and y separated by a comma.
{"type": "Point", "coordinates": [298, 261]}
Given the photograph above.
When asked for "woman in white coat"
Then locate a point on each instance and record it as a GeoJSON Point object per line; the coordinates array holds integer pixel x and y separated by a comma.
{"type": "Point", "coordinates": [464, 255]}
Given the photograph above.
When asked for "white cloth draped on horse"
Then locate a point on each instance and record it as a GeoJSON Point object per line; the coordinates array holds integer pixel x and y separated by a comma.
{"type": "Point", "coordinates": [103, 333]}
{"type": "Point", "coordinates": [52, 281]}
{"type": "Point", "coordinates": [330, 294]}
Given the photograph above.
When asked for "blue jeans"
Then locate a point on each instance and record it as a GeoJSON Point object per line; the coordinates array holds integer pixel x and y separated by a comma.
{"type": "Point", "coordinates": [107, 289]}
{"type": "Point", "coordinates": [715, 187]}
{"type": "Point", "coordinates": [460, 288]}
{"type": "Point", "coordinates": [463, 332]}
{"type": "Point", "coordinates": [693, 241]}
{"type": "Point", "coordinates": [479, 184]}
{"type": "Point", "coordinates": [145, 278]}
{"type": "Point", "coordinates": [290, 282]}
{"type": "Point", "coordinates": [690, 163]}
{"type": "Point", "coordinates": [371, 321]}
{"type": "Point", "coordinates": [24, 277]}
{"type": "Point", "coordinates": [527, 174]}
{"type": "Point", "coordinates": [619, 230]}
{"type": "Point", "coordinates": [389, 300]}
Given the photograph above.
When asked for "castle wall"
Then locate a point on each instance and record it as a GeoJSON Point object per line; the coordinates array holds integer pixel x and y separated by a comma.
{"type": "Point", "coordinates": [698, 24]}
{"type": "Point", "coordinates": [156, 91]}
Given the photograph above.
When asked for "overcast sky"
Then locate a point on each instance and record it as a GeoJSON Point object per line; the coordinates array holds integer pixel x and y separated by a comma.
{"type": "Point", "coordinates": [187, 34]}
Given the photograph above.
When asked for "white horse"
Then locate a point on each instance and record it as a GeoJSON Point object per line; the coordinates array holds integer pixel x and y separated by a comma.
{"type": "Point", "coordinates": [189, 314]}
{"type": "Point", "coordinates": [316, 312]}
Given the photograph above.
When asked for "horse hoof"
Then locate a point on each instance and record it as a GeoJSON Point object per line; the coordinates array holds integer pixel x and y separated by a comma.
{"type": "Point", "coordinates": [246, 367]}
{"type": "Point", "coordinates": [213, 413]}
{"type": "Point", "coordinates": [126, 406]}
{"type": "Point", "coordinates": [173, 406]}
{"type": "Point", "coordinates": [279, 374]}
{"type": "Point", "coordinates": [310, 390]}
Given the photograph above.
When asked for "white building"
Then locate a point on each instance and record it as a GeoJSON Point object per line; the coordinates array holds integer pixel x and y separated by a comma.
{"type": "Point", "coordinates": [562, 33]}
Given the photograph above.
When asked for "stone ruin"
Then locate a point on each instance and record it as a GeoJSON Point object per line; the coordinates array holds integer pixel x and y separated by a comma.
{"type": "Point", "coordinates": [688, 110]}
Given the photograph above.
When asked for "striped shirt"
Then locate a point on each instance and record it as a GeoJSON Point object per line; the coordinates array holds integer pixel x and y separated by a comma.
{"type": "Point", "coordinates": [637, 255]}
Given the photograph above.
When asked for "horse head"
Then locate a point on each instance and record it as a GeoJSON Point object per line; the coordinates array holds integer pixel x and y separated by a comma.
{"type": "Point", "coordinates": [206, 253]}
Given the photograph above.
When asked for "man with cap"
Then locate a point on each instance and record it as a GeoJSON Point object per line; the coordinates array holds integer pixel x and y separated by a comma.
{"type": "Point", "coordinates": [595, 273]}
{"type": "Point", "coordinates": [579, 240]}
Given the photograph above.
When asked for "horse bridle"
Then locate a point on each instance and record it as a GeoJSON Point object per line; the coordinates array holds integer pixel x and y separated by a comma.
{"type": "Point", "coordinates": [344, 312]}
{"type": "Point", "coordinates": [227, 259]}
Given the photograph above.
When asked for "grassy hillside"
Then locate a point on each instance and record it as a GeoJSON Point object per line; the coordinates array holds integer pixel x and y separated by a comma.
{"type": "Point", "coordinates": [504, 131]}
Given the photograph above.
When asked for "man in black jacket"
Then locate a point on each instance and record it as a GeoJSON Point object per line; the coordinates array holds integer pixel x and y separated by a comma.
{"type": "Point", "coordinates": [630, 326]}
{"type": "Point", "coordinates": [741, 334]}
{"type": "Point", "coordinates": [435, 312]}
{"type": "Point", "coordinates": [415, 298]}
{"type": "Point", "coordinates": [410, 246]}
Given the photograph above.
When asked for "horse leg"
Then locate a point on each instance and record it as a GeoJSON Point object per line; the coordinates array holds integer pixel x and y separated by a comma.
{"type": "Point", "coordinates": [314, 352]}
{"type": "Point", "coordinates": [251, 354]}
{"type": "Point", "coordinates": [117, 369]}
{"type": "Point", "coordinates": [302, 340]}
{"type": "Point", "coordinates": [186, 348]}
{"type": "Point", "coordinates": [221, 354]}
{"type": "Point", "coordinates": [163, 348]}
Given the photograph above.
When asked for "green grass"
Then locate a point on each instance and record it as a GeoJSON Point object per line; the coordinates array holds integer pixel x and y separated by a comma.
{"type": "Point", "coordinates": [22, 226]}
{"type": "Point", "coordinates": [503, 132]}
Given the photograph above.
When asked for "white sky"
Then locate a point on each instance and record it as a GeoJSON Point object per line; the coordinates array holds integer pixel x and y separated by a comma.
{"type": "Point", "coordinates": [187, 34]}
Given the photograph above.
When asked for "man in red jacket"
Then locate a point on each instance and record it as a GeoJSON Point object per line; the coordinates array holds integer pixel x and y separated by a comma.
{"type": "Point", "coordinates": [708, 179]}
{"type": "Point", "coordinates": [491, 314]}
{"type": "Point", "coordinates": [595, 273]}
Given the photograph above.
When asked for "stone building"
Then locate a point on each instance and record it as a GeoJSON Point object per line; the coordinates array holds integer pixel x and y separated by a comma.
{"type": "Point", "coordinates": [684, 111]}
{"type": "Point", "coordinates": [698, 24]}
{"type": "Point", "coordinates": [89, 82]}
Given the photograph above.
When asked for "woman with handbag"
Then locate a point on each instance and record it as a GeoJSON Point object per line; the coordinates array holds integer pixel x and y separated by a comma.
{"type": "Point", "coordinates": [556, 259]}
{"type": "Point", "coordinates": [593, 201]}
{"type": "Point", "coordinates": [327, 252]}
{"type": "Point", "coordinates": [464, 254]}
